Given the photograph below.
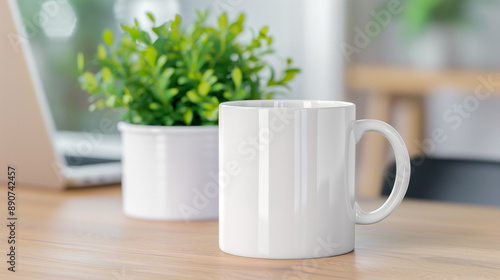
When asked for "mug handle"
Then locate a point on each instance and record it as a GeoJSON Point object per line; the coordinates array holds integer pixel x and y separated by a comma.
{"type": "Point", "coordinates": [402, 170]}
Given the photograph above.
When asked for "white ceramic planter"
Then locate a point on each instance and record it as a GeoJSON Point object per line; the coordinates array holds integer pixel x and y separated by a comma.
{"type": "Point", "coordinates": [170, 173]}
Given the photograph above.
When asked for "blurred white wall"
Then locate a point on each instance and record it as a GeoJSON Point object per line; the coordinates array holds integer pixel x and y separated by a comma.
{"type": "Point", "coordinates": [307, 31]}
{"type": "Point", "coordinates": [476, 43]}
{"type": "Point", "coordinates": [475, 46]}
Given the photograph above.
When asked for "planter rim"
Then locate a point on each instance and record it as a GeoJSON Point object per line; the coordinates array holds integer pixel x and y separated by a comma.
{"type": "Point", "coordinates": [157, 129]}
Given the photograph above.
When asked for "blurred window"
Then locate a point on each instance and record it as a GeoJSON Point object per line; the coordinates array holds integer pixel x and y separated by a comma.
{"type": "Point", "coordinates": [59, 29]}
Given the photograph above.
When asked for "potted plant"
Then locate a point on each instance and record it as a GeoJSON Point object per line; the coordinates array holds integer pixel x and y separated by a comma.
{"type": "Point", "coordinates": [168, 84]}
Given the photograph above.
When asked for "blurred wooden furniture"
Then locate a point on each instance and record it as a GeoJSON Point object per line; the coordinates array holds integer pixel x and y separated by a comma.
{"type": "Point", "coordinates": [82, 234]}
{"type": "Point", "coordinates": [386, 84]}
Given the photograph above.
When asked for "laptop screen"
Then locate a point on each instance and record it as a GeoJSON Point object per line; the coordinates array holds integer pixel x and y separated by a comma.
{"type": "Point", "coordinates": [58, 30]}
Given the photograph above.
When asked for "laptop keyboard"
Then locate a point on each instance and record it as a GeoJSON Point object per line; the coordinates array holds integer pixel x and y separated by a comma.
{"type": "Point", "coordinates": [79, 161]}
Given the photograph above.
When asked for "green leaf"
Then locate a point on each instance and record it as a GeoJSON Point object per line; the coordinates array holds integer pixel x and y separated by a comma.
{"type": "Point", "coordinates": [188, 116]}
{"type": "Point", "coordinates": [199, 14]}
{"type": "Point", "coordinates": [270, 94]}
{"type": "Point", "coordinates": [144, 36]}
{"type": "Point", "coordinates": [290, 74]}
{"type": "Point", "coordinates": [168, 120]}
{"type": "Point", "coordinates": [99, 104]}
{"type": "Point", "coordinates": [101, 52]}
{"type": "Point", "coordinates": [207, 74]}
{"type": "Point", "coordinates": [112, 64]}
{"type": "Point", "coordinates": [161, 61]}
{"type": "Point", "coordinates": [212, 80]}
{"type": "Point", "coordinates": [263, 30]}
{"type": "Point", "coordinates": [217, 87]}
{"type": "Point", "coordinates": [106, 74]}
{"type": "Point", "coordinates": [236, 76]}
{"type": "Point", "coordinates": [193, 97]}
{"type": "Point", "coordinates": [177, 22]}
{"type": "Point", "coordinates": [107, 37]}
{"type": "Point", "coordinates": [151, 17]}
{"type": "Point", "coordinates": [165, 77]}
{"type": "Point", "coordinates": [110, 101]}
{"type": "Point", "coordinates": [127, 96]}
{"type": "Point", "coordinates": [80, 62]}
{"type": "Point", "coordinates": [172, 92]}
{"type": "Point", "coordinates": [271, 79]}
{"type": "Point", "coordinates": [215, 101]}
{"type": "Point", "coordinates": [228, 95]}
{"type": "Point", "coordinates": [223, 21]}
{"type": "Point", "coordinates": [240, 94]}
{"type": "Point", "coordinates": [203, 88]}
{"type": "Point", "coordinates": [269, 40]}
{"type": "Point", "coordinates": [161, 30]}
{"type": "Point", "coordinates": [235, 29]}
{"type": "Point", "coordinates": [182, 80]}
{"type": "Point", "coordinates": [202, 16]}
{"type": "Point", "coordinates": [241, 18]}
{"type": "Point", "coordinates": [133, 32]}
{"type": "Point", "coordinates": [90, 79]}
{"type": "Point", "coordinates": [137, 119]}
{"type": "Point", "coordinates": [154, 106]}
{"type": "Point", "coordinates": [151, 55]}
{"type": "Point", "coordinates": [211, 115]}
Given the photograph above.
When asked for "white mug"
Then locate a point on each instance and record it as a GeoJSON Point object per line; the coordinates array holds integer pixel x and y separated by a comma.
{"type": "Point", "coordinates": [287, 177]}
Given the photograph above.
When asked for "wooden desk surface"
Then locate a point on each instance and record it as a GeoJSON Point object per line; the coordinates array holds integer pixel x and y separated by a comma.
{"type": "Point", "coordinates": [82, 234]}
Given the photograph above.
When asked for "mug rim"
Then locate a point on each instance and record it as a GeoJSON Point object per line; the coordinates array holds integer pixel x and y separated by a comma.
{"type": "Point", "coordinates": [260, 104]}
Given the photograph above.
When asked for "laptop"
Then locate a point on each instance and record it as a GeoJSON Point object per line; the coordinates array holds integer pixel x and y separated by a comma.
{"type": "Point", "coordinates": [29, 142]}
